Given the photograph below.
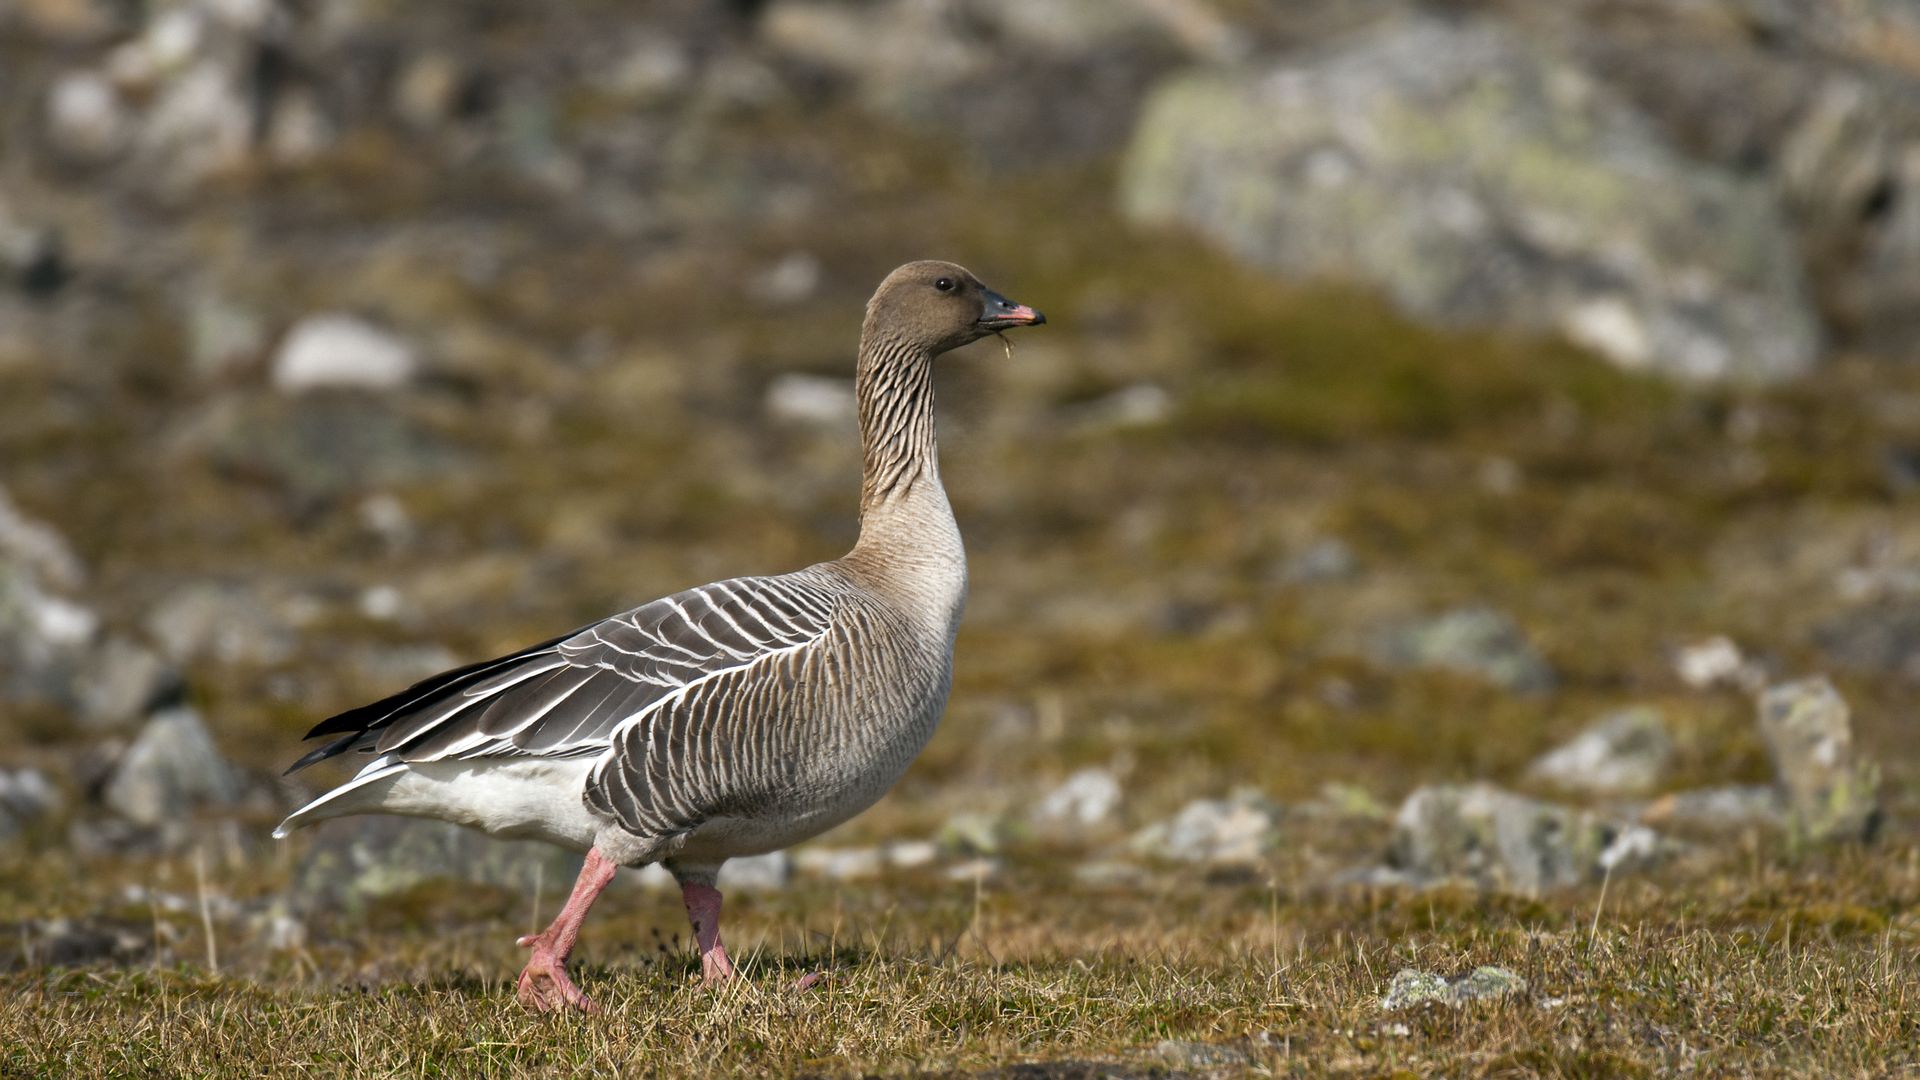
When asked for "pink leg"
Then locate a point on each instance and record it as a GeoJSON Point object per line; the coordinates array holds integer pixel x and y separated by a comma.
{"type": "Point", "coordinates": [703, 910]}
{"type": "Point", "coordinates": [544, 985]}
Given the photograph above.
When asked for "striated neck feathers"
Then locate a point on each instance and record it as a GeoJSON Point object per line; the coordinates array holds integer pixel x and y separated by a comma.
{"type": "Point", "coordinates": [894, 388]}
{"type": "Point", "coordinates": [909, 544]}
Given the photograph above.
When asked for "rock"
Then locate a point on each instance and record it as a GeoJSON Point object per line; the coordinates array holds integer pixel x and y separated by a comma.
{"type": "Point", "coordinates": [1831, 793]}
{"type": "Point", "coordinates": [839, 864]}
{"type": "Point", "coordinates": [355, 860]}
{"type": "Point", "coordinates": [1059, 82]}
{"type": "Point", "coordinates": [1107, 873]}
{"type": "Point", "coordinates": [813, 401]}
{"type": "Point", "coordinates": [912, 854]}
{"type": "Point", "coordinates": [654, 71]}
{"type": "Point", "coordinates": [224, 621]}
{"type": "Point", "coordinates": [1087, 798]}
{"type": "Point", "coordinates": [27, 797]}
{"type": "Point", "coordinates": [124, 681]}
{"type": "Point", "coordinates": [1138, 406]}
{"type": "Point", "coordinates": [37, 547]}
{"type": "Point", "coordinates": [1240, 829]}
{"type": "Point", "coordinates": [315, 447]}
{"type": "Point", "coordinates": [1624, 753]}
{"type": "Point", "coordinates": [1879, 638]}
{"type": "Point", "coordinates": [795, 277]}
{"type": "Point", "coordinates": [1189, 1054]}
{"type": "Point", "coordinates": [1722, 809]}
{"type": "Point", "coordinates": [200, 124]}
{"type": "Point", "coordinates": [86, 120]}
{"type": "Point", "coordinates": [44, 636]}
{"type": "Point", "coordinates": [335, 350]}
{"type": "Point", "coordinates": [172, 769]}
{"type": "Point", "coordinates": [1478, 178]}
{"type": "Point", "coordinates": [428, 91]}
{"type": "Point", "coordinates": [1717, 661]}
{"type": "Point", "coordinates": [222, 336]}
{"type": "Point", "coordinates": [67, 943]}
{"type": "Point", "coordinates": [1472, 641]}
{"type": "Point", "coordinates": [759, 873]}
{"type": "Point", "coordinates": [1411, 987]}
{"type": "Point", "coordinates": [1500, 840]}
{"type": "Point", "coordinates": [1324, 560]}
{"type": "Point", "coordinates": [972, 834]}
{"type": "Point", "coordinates": [1813, 99]}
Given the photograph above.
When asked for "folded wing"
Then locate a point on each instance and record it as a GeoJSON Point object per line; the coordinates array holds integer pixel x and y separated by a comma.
{"type": "Point", "coordinates": [571, 696]}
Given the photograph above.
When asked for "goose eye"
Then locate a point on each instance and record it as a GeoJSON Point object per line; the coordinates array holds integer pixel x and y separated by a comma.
{"type": "Point", "coordinates": [945, 284]}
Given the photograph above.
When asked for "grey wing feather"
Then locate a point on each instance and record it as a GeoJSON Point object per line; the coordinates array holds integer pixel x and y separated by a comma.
{"type": "Point", "coordinates": [572, 696]}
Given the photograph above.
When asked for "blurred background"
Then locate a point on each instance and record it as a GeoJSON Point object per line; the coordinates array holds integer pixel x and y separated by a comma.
{"type": "Point", "coordinates": [1425, 384]}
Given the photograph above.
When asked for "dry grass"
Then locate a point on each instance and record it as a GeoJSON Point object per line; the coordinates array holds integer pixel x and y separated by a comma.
{"type": "Point", "coordinates": [1749, 970]}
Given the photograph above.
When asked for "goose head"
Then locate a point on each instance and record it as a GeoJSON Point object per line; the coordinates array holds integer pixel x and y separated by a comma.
{"type": "Point", "coordinates": [935, 306]}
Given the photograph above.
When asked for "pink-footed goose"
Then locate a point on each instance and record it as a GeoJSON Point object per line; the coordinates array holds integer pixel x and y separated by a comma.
{"type": "Point", "coordinates": [732, 719]}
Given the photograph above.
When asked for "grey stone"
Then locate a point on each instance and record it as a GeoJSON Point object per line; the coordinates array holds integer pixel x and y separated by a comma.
{"type": "Point", "coordinates": [758, 873]}
{"type": "Point", "coordinates": [1240, 829]}
{"type": "Point", "coordinates": [352, 861]}
{"type": "Point", "coordinates": [1500, 840]}
{"type": "Point", "coordinates": [972, 833]}
{"type": "Point", "coordinates": [1138, 406]}
{"type": "Point", "coordinates": [335, 350]}
{"type": "Point", "coordinates": [1324, 560]}
{"type": "Point", "coordinates": [123, 680]}
{"type": "Point", "coordinates": [1721, 809]}
{"type": "Point", "coordinates": [912, 854]}
{"type": "Point", "coordinates": [85, 118]}
{"type": "Point", "coordinates": [1473, 641]}
{"type": "Point", "coordinates": [839, 864]}
{"type": "Point", "coordinates": [315, 446]}
{"type": "Point", "coordinates": [1411, 987]}
{"type": "Point", "coordinates": [1085, 799]}
{"type": "Point", "coordinates": [1062, 87]}
{"type": "Point", "coordinates": [27, 798]}
{"type": "Point", "coordinates": [1624, 753]}
{"type": "Point", "coordinates": [222, 336]}
{"type": "Point", "coordinates": [223, 621]}
{"type": "Point", "coordinates": [1803, 96]}
{"type": "Point", "coordinates": [172, 769]}
{"type": "Point", "coordinates": [1832, 794]}
{"type": "Point", "coordinates": [45, 635]}
{"type": "Point", "coordinates": [199, 125]}
{"type": "Point", "coordinates": [812, 400]}
{"type": "Point", "coordinates": [1879, 638]}
{"type": "Point", "coordinates": [1476, 177]}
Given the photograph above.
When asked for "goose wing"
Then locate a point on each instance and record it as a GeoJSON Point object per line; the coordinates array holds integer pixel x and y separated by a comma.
{"type": "Point", "coordinates": [569, 697]}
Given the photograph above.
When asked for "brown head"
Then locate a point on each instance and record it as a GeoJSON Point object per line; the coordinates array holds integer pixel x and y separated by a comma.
{"type": "Point", "coordinates": [936, 306]}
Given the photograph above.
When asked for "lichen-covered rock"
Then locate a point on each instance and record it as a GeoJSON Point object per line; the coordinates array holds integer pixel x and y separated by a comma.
{"type": "Point", "coordinates": [1624, 753]}
{"type": "Point", "coordinates": [1815, 99]}
{"type": "Point", "coordinates": [1472, 641]}
{"type": "Point", "coordinates": [1058, 82]}
{"type": "Point", "coordinates": [1240, 829]}
{"type": "Point", "coordinates": [1478, 177]}
{"type": "Point", "coordinates": [1500, 840]}
{"type": "Point", "coordinates": [1832, 794]}
{"type": "Point", "coordinates": [1412, 986]}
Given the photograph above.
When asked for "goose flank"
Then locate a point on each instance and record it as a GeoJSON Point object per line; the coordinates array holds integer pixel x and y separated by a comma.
{"type": "Point", "coordinates": [732, 719]}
